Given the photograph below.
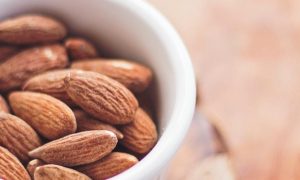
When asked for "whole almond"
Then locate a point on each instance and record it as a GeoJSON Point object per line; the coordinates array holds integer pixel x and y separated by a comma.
{"type": "Point", "coordinates": [47, 115]}
{"type": "Point", "coordinates": [87, 123]}
{"type": "Point", "coordinates": [32, 165]}
{"type": "Point", "coordinates": [3, 105]}
{"type": "Point", "coordinates": [101, 97]}
{"type": "Point", "coordinates": [134, 76]}
{"type": "Point", "coordinates": [109, 166]}
{"type": "Point", "coordinates": [24, 65]}
{"type": "Point", "coordinates": [140, 135]}
{"type": "Point", "coordinates": [10, 167]}
{"type": "Point", "coordinates": [17, 136]}
{"type": "Point", "coordinates": [51, 83]}
{"type": "Point", "coordinates": [79, 48]}
{"type": "Point", "coordinates": [55, 172]}
{"type": "Point", "coordinates": [6, 52]}
{"type": "Point", "coordinates": [31, 29]}
{"type": "Point", "coordinates": [77, 149]}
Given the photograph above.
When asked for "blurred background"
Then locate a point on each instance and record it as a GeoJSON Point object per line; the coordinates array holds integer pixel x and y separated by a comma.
{"type": "Point", "coordinates": [246, 56]}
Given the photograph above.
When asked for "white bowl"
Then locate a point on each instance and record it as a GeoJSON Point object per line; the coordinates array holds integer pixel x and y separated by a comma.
{"type": "Point", "coordinates": [133, 29]}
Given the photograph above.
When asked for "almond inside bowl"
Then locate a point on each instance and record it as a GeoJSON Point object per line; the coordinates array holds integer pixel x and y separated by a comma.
{"type": "Point", "coordinates": [133, 30]}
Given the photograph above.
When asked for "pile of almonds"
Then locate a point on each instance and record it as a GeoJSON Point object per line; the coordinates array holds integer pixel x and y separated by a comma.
{"type": "Point", "coordinates": [68, 107]}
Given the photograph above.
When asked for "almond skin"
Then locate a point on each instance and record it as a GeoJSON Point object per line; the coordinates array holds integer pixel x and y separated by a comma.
{"type": "Point", "coordinates": [111, 165]}
{"type": "Point", "coordinates": [134, 76]}
{"type": "Point", "coordinates": [24, 65]}
{"type": "Point", "coordinates": [79, 48]}
{"type": "Point", "coordinates": [3, 105]}
{"type": "Point", "coordinates": [32, 165]}
{"type": "Point", "coordinates": [47, 115]}
{"type": "Point", "coordinates": [10, 167]}
{"type": "Point", "coordinates": [51, 83]}
{"type": "Point", "coordinates": [140, 135]}
{"type": "Point", "coordinates": [31, 29]}
{"type": "Point", "coordinates": [55, 172]}
{"type": "Point", "coordinates": [77, 149]}
{"type": "Point", "coordinates": [87, 123]}
{"type": "Point", "coordinates": [17, 136]}
{"type": "Point", "coordinates": [101, 97]}
{"type": "Point", "coordinates": [6, 52]}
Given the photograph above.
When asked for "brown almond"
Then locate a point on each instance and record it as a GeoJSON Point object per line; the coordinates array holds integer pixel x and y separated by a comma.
{"type": "Point", "coordinates": [3, 105]}
{"type": "Point", "coordinates": [87, 123]}
{"type": "Point", "coordinates": [109, 166]}
{"type": "Point", "coordinates": [134, 76]}
{"type": "Point", "coordinates": [32, 165]}
{"type": "Point", "coordinates": [55, 172]}
{"type": "Point", "coordinates": [6, 52]}
{"type": "Point", "coordinates": [101, 97]}
{"type": "Point", "coordinates": [24, 65]}
{"type": "Point", "coordinates": [51, 83]}
{"type": "Point", "coordinates": [140, 135]}
{"type": "Point", "coordinates": [31, 29]}
{"type": "Point", "coordinates": [10, 167]}
{"type": "Point", "coordinates": [17, 136]}
{"type": "Point", "coordinates": [47, 115]}
{"type": "Point", "coordinates": [77, 149]}
{"type": "Point", "coordinates": [79, 48]}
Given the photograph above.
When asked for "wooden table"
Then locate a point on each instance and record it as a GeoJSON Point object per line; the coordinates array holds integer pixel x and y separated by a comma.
{"type": "Point", "coordinates": [247, 59]}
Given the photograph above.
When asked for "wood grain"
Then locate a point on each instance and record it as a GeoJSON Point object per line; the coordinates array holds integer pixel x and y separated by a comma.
{"type": "Point", "coordinates": [213, 168]}
{"type": "Point", "coordinates": [246, 55]}
{"type": "Point", "coordinates": [202, 141]}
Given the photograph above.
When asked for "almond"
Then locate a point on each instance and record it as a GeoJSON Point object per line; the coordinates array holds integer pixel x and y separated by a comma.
{"type": "Point", "coordinates": [79, 48]}
{"type": "Point", "coordinates": [15, 70]}
{"type": "Point", "coordinates": [101, 97]}
{"type": "Point", "coordinates": [10, 167]}
{"type": "Point", "coordinates": [55, 172]}
{"type": "Point", "coordinates": [140, 135]}
{"type": "Point", "coordinates": [47, 115]}
{"type": "Point", "coordinates": [3, 105]}
{"type": "Point", "coordinates": [32, 165]}
{"type": "Point", "coordinates": [30, 29]}
{"type": "Point", "coordinates": [134, 76]}
{"type": "Point", "coordinates": [6, 52]}
{"type": "Point", "coordinates": [77, 149]}
{"type": "Point", "coordinates": [17, 136]}
{"type": "Point", "coordinates": [51, 83]}
{"type": "Point", "coordinates": [111, 165]}
{"type": "Point", "coordinates": [87, 123]}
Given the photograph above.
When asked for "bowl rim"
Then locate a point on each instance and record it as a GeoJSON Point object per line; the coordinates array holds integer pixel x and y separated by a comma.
{"type": "Point", "coordinates": [184, 106]}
